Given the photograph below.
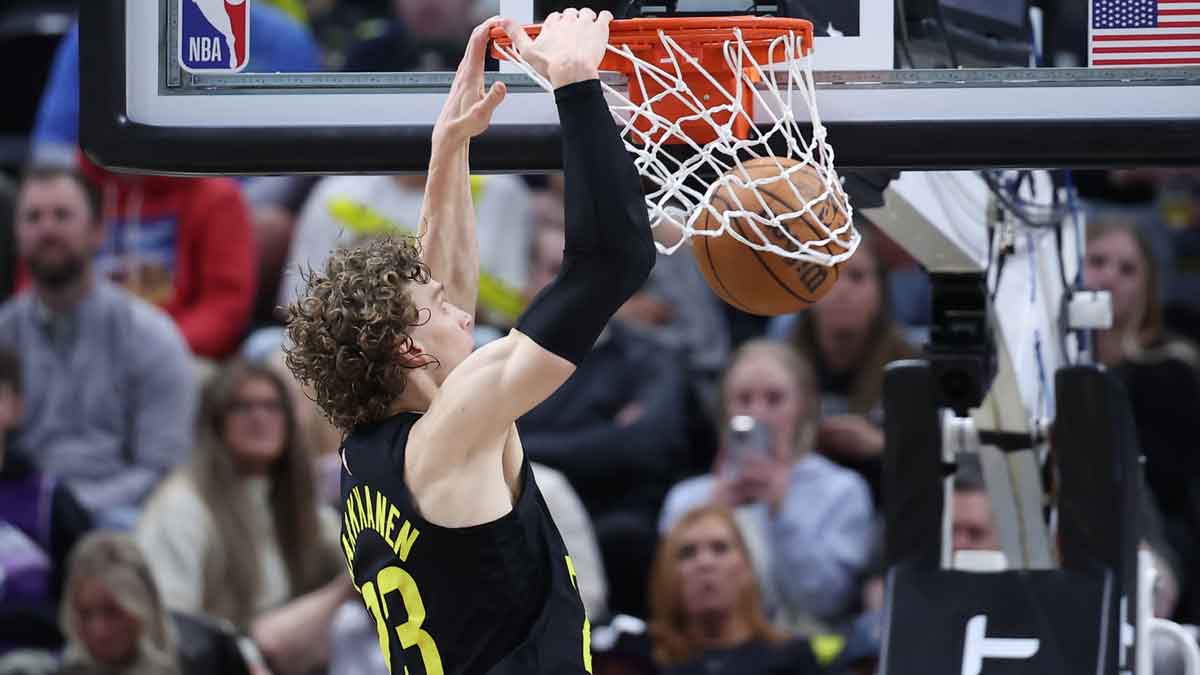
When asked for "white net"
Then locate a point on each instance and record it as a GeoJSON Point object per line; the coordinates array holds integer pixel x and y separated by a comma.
{"type": "Point", "coordinates": [705, 188]}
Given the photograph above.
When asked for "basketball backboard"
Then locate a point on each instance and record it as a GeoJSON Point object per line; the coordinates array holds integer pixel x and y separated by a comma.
{"type": "Point", "coordinates": [909, 84]}
{"type": "Point", "coordinates": [143, 111]}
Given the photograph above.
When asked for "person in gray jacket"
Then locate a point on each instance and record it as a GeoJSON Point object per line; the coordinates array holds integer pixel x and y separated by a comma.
{"type": "Point", "coordinates": [110, 391]}
{"type": "Point", "coordinates": [809, 523]}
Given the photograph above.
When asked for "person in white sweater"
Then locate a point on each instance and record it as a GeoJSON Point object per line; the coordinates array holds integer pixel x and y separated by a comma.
{"type": "Point", "coordinates": [240, 533]}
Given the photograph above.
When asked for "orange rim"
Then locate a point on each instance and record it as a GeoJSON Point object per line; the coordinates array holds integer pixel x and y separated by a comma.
{"type": "Point", "coordinates": [693, 32]}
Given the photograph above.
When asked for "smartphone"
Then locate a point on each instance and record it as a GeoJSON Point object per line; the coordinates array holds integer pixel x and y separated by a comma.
{"type": "Point", "coordinates": [748, 437]}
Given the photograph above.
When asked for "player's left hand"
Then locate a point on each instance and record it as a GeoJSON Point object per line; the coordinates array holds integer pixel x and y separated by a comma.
{"type": "Point", "coordinates": [469, 107]}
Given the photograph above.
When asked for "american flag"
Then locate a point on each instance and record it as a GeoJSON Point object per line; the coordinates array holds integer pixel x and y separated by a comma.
{"type": "Point", "coordinates": [1144, 33]}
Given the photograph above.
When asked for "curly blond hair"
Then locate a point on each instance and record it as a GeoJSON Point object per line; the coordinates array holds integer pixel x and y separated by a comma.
{"type": "Point", "coordinates": [348, 325]}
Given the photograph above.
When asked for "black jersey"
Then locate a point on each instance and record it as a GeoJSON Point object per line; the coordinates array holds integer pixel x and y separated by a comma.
{"type": "Point", "coordinates": [498, 598]}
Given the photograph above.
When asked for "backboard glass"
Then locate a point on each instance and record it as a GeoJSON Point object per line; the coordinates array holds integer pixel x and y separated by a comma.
{"type": "Point", "coordinates": [142, 111]}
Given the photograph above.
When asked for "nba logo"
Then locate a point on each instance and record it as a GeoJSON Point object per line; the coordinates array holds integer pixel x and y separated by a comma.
{"type": "Point", "coordinates": [214, 35]}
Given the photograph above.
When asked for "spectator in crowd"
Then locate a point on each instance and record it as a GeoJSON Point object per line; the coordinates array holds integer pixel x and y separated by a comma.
{"type": "Point", "coordinates": [346, 210]}
{"type": "Point", "coordinates": [40, 521]}
{"type": "Point", "coordinates": [809, 522]}
{"type": "Point", "coordinates": [849, 336]}
{"type": "Point", "coordinates": [1159, 373]}
{"type": "Point", "coordinates": [185, 245]}
{"type": "Point", "coordinates": [110, 409]}
{"type": "Point", "coordinates": [116, 622]}
{"type": "Point", "coordinates": [617, 429]}
{"type": "Point", "coordinates": [973, 526]}
{"type": "Point", "coordinates": [424, 35]}
{"type": "Point", "coordinates": [1165, 203]}
{"type": "Point", "coordinates": [239, 533]}
{"type": "Point", "coordinates": [279, 45]}
{"type": "Point", "coordinates": [706, 612]}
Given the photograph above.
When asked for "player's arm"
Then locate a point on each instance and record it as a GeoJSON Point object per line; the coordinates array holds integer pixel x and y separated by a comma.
{"type": "Point", "coordinates": [447, 222]}
{"type": "Point", "coordinates": [608, 255]}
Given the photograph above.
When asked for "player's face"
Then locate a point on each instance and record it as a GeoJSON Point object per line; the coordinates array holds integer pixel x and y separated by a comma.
{"type": "Point", "coordinates": [256, 426]}
{"type": "Point", "coordinates": [1114, 264]}
{"type": "Point", "coordinates": [444, 331]}
{"type": "Point", "coordinates": [760, 387]}
{"type": "Point", "coordinates": [973, 526]}
{"type": "Point", "coordinates": [712, 570]}
{"type": "Point", "coordinates": [56, 232]}
{"type": "Point", "coordinates": [109, 633]}
{"type": "Point", "coordinates": [856, 299]}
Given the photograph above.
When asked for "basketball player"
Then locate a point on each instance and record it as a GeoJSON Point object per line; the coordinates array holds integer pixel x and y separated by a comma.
{"type": "Point", "coordinates": [444, 531]}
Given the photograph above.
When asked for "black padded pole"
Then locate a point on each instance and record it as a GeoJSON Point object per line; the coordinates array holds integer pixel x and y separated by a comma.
{"type": "Point", "coordinates": [1096, 452]}
{"type": "Point", "coordinates": [912, 465]}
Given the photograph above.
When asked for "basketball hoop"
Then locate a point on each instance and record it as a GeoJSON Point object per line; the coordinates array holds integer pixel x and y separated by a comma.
{"type": "Point", "coordinates": [696, 82]}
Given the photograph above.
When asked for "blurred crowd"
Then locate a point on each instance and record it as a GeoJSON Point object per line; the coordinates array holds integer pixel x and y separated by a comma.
{"type": "Point", "coordinates": [168, 491]}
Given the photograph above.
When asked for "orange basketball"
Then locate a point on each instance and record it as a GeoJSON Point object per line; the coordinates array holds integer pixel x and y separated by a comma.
{"type": "Point", "coordinates": [762, 282]}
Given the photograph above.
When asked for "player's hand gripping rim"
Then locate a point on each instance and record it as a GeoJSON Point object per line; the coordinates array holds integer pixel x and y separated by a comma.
{"type": "Point", "coordinates": [569, 46]}
{"type": "Point", "coordinates": [469, 106]}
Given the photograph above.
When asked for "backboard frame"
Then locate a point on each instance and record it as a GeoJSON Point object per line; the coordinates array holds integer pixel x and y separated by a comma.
{"type": "Point", "coordinates": [1003, 121]}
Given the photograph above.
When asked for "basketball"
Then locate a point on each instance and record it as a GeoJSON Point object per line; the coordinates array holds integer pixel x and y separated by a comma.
{"type": "Point", "coordinates": [761, 282]}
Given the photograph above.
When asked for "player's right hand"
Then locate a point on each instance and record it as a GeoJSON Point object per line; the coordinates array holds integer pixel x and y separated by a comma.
{"type": "Point", "coordinates": [569, 46]}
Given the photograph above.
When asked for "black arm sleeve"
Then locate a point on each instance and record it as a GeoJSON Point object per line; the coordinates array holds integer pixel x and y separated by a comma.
{"type": "Point", "coordinates": [609, 247]}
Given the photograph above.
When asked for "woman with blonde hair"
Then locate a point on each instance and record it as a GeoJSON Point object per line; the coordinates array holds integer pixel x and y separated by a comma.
{"type": "Point", "coordinates": [706, 612]}
{"type": "Point", "coordinates": [240, 533]}
{"type": "Point", "coordinates": [1120, 259]}
{"type": "Point", "coordinates": [809, 523]}
{"type": "Point", "coordinates": [1159, 372]}
{"type": "Point", "coordinates": [115, 620]}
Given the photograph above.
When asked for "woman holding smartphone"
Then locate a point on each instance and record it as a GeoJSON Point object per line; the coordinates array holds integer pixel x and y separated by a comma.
{"type": "Point", "coordinates": [808, 521]}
